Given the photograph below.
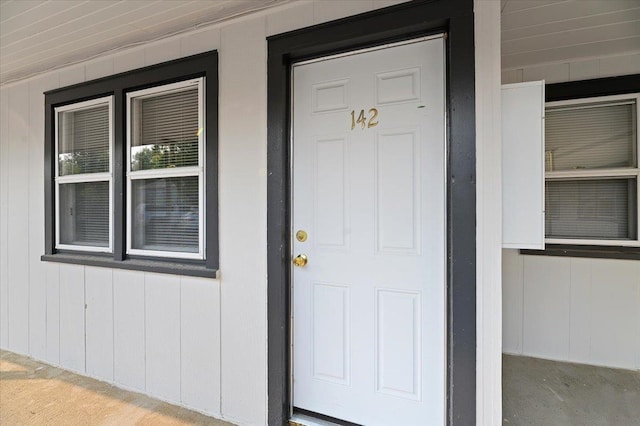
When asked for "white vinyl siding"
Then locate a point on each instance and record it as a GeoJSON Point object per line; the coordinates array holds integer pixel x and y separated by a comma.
{"type": "Point", "coordinates": [84, 145]}
{"type": "Point", "coordinates": [591, 163]}
{"type": "Point", "coordinates": [165, 174]}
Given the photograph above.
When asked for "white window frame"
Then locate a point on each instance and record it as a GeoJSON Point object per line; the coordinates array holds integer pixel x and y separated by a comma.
{"type": "Point", "coordinates": [84, 177]}
{"type": "Point", "coordinates": [596, 174]}
{"type": "Point", "coordinates": [198, 170]}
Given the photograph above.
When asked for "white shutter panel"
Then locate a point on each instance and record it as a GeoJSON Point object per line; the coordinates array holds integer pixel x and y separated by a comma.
{"type": "Point", "coordinates": [523, 165]}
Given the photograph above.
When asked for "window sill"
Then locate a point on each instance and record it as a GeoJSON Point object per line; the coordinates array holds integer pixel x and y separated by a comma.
{"type": "Point", "coordinates": [594, 252]}
{"type": "Point", "coordinates": [146, 265]}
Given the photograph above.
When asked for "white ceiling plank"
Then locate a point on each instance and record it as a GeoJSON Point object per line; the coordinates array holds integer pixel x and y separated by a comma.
{"type": "Point", "coordinates": [567, 54]}
{"type": "Point", "coordinates": [168, 23]}
{"type": "Point", "coordinates": [71, 52]}
{"type": "Point", "coordinates": [572, 38]}
{"type": "Point", "coordinates": [35, 16]}
{"type": "Point", "coordinates": [116, 16]}
{"type": "Point", "coordinates": [199, 12]}
{"type": "Point", "coordinates": [12, 9]}
{"type": "Point", "coordinates": [187, 11]}
{"type": "Point", "coordinates": [57, 58]}
{"type": "Point", "coordinates": [572, 24]}
{"type": "Point", "coordinates": [50, 26]}
{"type": "Point", "coordinates": [562, 11]}
{"type": "Point", "coordinates": [510, 6]}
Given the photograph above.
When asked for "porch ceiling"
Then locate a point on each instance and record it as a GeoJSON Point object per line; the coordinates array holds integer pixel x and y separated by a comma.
{"type": "Point", "coordinates": [36, 36]}
{"type": "Point", "coordinates": [548, 31]}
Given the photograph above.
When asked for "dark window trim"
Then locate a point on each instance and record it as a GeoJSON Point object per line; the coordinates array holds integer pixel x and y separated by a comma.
{"type": "Point", "coordinates": [608, 86]}
{"type": "Point", "coordinates": [204, 64]}
{"type": "Point", "coordinates": [395, 23]}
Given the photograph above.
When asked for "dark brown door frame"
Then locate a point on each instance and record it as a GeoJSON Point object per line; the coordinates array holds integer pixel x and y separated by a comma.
{"type": "Point", "coordinates": [396, 23]}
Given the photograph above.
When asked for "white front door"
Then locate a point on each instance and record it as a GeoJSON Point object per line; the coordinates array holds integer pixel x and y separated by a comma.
{"type": "Point", "coordinates": [369, 207]}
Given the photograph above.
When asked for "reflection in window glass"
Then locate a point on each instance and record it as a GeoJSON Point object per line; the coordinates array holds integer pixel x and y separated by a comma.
{"type": "Point", "coordinates": [591, 209]}
{"type": "Point", "coordinates": [84, 214]}
{"type": "Point", "coordinates": [165, 130]}
{"type": "Point", "coordinates": [165, 214]}
{"type": "Point", "coordinates": [590, 137]}
{"type": "Point", "coordinates": [83, 141]}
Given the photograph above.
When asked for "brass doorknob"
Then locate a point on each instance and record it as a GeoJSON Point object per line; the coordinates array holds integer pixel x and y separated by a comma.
{"type": "Point", "coordinates": [300, 260]}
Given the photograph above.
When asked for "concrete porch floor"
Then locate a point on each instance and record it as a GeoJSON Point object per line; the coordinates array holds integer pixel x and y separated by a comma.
{"type": "Point", "coordinates": [32, 393]}
{"type": "Point", "coordinates": [541, 392]}
{"type": "Point", "coordinates": [535, 392]}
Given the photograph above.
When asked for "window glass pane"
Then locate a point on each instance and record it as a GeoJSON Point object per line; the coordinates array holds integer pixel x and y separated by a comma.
{"type": "Point", "coordinates": [590, 137]}
{"type": "Point", "coordinates": [84, 214]}
{"type": "Point", "coordinates": [165, 130]}
{"type": "Point", "coordinates": [83, 141]}
{"type": "Point", "coordinates": [591, 209]}
{"type": "Point", "coordinates": [165, 214]}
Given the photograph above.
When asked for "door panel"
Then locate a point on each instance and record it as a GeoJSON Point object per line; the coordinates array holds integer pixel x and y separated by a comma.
{"type": "Point", "coordinates": [369, 191]}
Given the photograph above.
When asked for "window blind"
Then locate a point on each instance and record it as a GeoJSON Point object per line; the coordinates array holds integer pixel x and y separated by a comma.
{"type": "Point", "coordinates": [165, 130]}
{"type": "Point", "coordinates": [590, 137]}
{"type": "Point", "coordinates": [83, 141]}
{"type": "Point", "coordinates": [84, 214]}
{"type": "Point", "coordinates": [165, 214]}
{"type": "Point", "coordinates": [591, 209]}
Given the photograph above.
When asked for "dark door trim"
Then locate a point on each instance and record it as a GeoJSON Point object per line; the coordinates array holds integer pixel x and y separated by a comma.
{"type": "Point", "coordinates": [396, 23]}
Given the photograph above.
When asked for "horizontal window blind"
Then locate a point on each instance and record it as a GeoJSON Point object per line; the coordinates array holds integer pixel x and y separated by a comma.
{"type": "Point", "coordinates": [591, 209]}
{"type": "Point", "coordinates": [165, 130]}
{"type": "Point", "coordinates": [83, 141]}
{"type": "Point", "coordinates": [592, 137]}
{"type": "Point", "coordinates": [84, 214]}
{"type": "Point", "coordinates": [165, 214]}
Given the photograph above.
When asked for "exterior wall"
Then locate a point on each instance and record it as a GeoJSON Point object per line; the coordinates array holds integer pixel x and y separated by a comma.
{"type": "Point", "coordinates": [569, 309]}
{"type": "Point", "coordinates": [196, 342]}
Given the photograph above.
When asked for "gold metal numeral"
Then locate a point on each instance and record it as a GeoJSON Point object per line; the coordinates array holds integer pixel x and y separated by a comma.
{"type": "Point", "coordinates": [362, 119]}
{"type": "Point", "coordinates": [373, 121]}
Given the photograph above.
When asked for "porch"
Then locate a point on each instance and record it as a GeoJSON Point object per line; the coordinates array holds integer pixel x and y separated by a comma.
{"type": "Point", "coordinates": [542, 392]}
{"type": "Point", "coordinates": [35, 393]}
{"type": "Point", "coordinates": [535, 391]}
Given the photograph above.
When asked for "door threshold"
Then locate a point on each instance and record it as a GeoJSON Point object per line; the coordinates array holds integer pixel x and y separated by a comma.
{"type": "Point", "coordinates": [303, 420]}
{"type": "Point", "coordinates": [309, 418]}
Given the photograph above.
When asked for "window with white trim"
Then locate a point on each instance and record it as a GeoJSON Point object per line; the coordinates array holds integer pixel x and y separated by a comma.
{"type": "Point", "coordinates": [592, 171]}
{"type": "Point", "coordinates": [165, 170]}
{"type": "Point", "coordinates": [131, 169]}
{"type": "Point", "coordinates": [83, 175]}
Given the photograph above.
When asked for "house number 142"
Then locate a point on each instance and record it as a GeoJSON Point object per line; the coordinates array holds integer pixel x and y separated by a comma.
{"type": "Point", "coordinates": [362, 120]}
